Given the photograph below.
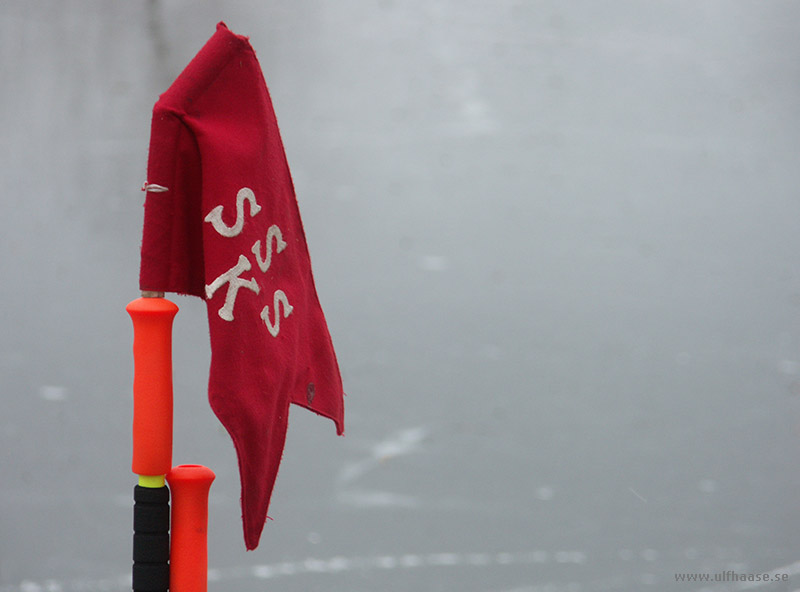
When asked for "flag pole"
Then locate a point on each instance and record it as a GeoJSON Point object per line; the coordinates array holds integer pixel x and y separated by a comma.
{"type": "Point", "coordinates": [152, 317]}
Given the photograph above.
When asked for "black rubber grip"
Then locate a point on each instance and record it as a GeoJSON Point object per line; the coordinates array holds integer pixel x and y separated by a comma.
{"type": "Point", "coordinates": [151, 518]}
{"type": "Point", "coordinates": [151, 577]}
{"type": "Point", "coordinates": [150, 548]}
{"type": "Point", "coordinates": [151, 539]}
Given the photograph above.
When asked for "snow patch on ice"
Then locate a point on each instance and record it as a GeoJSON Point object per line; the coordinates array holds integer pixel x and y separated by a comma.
{"type": "Point", "coordinates": [545, 493]}
{"type": "Point", "coordinates": [707, 485]}
{"type": "Point", "coordinates": [625, 554]}
{"type": "Point", "coordinates": [649, 554]}
{"type": "Point", "coordinates": [377, 499]}
{"type": "Point", "coordinates": [649, 579]}
{"type": "Point", "coordinates": [433, 262]}
{"type": "Point", "coordinates": [401, 443]}
{"type": "Point", "coordinates": [362, 563]}
{"type": "Point", "coordinates": [314, 538]}
{"type": "Point", "coordinates": [53, 393]}
{"type": "Point", "coordinates": [491, 351]}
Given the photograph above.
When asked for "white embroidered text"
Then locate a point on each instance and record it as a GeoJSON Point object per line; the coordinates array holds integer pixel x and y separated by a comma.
{"type": "Point", "coordinates": [278, 298]}
{"type": "Point", "coordinates": [280, 244]}
{"type": "Point", "coordinates": [215, 215]}
{"type": "Point", "coordinates": [232, 277]}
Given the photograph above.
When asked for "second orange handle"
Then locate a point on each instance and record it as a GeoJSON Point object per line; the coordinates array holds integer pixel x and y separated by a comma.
{"type": "Point", "coordinates": [188, 558]}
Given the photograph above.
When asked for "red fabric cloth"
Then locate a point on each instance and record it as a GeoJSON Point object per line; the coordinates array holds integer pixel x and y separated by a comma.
{"type": "Point", "coordinates": [221, 223]}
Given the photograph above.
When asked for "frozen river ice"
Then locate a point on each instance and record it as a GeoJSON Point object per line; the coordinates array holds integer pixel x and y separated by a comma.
{"type": "Point", "coordinates": [557, 247]}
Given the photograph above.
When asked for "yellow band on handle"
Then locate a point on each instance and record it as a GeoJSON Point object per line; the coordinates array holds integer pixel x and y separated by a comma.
{"type": "Point", "coordinates": [152, 481]}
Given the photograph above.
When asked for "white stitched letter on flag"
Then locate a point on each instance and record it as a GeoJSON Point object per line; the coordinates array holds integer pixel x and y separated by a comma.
{"type": "Point", "coordinates": [278, 298]}
{"type": "Point", "coordinates": [215, 215]}
{"type": "Point", "coordinates": [272, 232]}
{"type": "Point", "coordinates": [231, 277]}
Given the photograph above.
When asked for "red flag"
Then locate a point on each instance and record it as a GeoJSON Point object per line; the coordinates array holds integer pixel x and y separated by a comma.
{"type": "Point", "coordinates": [221, 222]}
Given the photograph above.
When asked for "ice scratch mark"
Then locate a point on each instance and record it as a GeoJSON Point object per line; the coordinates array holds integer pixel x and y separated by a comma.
{"type": "Point", "coordinates": [400, 443]}
{"type": "Point", "coordinates": [634, 492]}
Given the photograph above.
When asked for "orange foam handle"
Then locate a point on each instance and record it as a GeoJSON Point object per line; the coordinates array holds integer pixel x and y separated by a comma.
{"type": "Point", "coordinates": [152, 384]}
{"type": "Point", "coordinates": [188, 557]}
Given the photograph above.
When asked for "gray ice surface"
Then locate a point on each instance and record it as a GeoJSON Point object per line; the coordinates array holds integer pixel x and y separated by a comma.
{"type": "Point", "coordinates": [558, 247]}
